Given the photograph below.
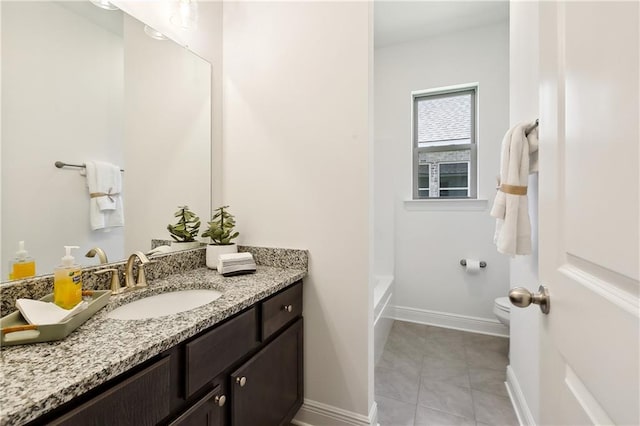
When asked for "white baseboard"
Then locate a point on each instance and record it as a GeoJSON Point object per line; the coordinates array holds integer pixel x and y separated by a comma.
{"type": "Point", "coordinates": [314, 413]}
{"type": "Point", "coordinates": [525, 417]}
{"type": "Point", "coordinates": [446, 320]}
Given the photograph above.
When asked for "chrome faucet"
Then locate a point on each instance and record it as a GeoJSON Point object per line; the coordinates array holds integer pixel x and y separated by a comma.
{"type": "Point", "coordinates": [101, 255]}
{"type": "Point", "coordinates": [128, 275]}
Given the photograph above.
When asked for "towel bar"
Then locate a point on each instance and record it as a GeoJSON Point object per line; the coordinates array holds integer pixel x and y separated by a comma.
{"type": "Point", "coordinates": [60, 164]}
{"type": "Point", "coordinates": [530, 129]}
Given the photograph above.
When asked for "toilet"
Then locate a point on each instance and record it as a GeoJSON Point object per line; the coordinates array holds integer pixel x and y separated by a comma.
{"type": "Point", "coordinates": [501, 309]}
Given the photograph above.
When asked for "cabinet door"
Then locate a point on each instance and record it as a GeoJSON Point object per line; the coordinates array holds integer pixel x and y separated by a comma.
{"type": "Point", "coordinates": [268, 389]}
{"type": "Point", "coordinates": [208, 411]}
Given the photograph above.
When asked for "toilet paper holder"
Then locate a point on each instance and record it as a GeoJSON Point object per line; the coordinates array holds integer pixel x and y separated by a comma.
{"type": "Point", "coordinates": [483, 264]}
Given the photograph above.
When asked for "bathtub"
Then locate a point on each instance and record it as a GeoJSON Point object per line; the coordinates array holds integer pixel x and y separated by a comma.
{"type": "Point", "coordinates": [382, 298]}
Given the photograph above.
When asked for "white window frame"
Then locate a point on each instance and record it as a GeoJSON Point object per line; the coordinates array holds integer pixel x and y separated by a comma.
{"type": "Point", "coordinates": [461, 188]}
{"type": "Point", "coordinates": [429, 174]}
{"type": "Point", "coordinates": [471, 88]}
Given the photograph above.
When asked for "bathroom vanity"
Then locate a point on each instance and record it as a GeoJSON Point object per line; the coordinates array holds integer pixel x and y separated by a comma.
{"type": "Point", "coordinates": [245, 371]}
{"type": "Point", "coordinates": [235, 361]}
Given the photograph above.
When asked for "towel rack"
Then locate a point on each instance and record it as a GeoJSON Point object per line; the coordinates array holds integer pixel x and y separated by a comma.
{"type": "Point", "coordinates": [530, 129]}
{"type": "Point", "coordinates": [60, 164]}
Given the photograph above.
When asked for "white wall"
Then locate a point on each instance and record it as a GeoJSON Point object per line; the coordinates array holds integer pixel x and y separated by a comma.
{"type": "Point", "coordinates": [429, 244]}
{"type": "Point", "coordinates": [384, 183]}
{"type": "Point", "coordinates": [167, 135]}
{"type": "Point", "coordinates": [524, 104]}
{"type": "Point", "coordinates": [206, 42]}
{"type": "Point", "coordinates": [296, 156]}
{"type": "Point", "coordinates": [2, 274]}
{"type": "Point", "coordinates": [49, 76]}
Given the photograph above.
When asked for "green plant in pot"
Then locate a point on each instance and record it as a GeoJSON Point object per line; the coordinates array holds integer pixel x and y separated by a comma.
{"type": "Point", "coordinates": [221, 232]}
{"type": "Point", "coordinates": [185, 231]}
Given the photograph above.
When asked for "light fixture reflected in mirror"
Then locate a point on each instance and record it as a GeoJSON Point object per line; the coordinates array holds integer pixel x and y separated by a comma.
{"type": "Point", "coordinates": [154, 34]}
{"type": "Point", "coordinates": [186, 17]}
{"type": "Point", "coordinates": [104, 4]}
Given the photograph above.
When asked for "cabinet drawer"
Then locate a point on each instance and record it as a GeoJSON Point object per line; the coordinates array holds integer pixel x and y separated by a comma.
{"type": "Point", "coordinates": [208, 355]}
{"type": "Point", "coordinates": [208, 411]}
{"type": "Point", "coordinates": [280, 309]}
{"type": "Point", "coordinates": [142, 399]}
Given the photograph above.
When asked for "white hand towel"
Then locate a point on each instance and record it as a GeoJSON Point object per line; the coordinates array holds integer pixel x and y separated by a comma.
{"type": "Point", "coordinates": [104, 178]}
{"type": "Point", "coordinates": [513, 227]}
{"type": "Point", "coordinates": [532, 137]}
{"type": "Point", "coordinates": [236, 263]}
{"type": "Point", "coordinates": [42, 313]}
{"type": "Point", "coordinates": [160, 250]}
{"type": "Point", "coordinates": [104, 181]}
{"type": "Point", "coordinates": [232, 258]}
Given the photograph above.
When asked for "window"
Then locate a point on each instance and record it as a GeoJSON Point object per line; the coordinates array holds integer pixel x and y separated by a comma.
{"type": "Point", "coordinates": [424, 170]}
{"type": "Point", "coordinates": [454, 179]}
{"type": "Point", "coordinates": [444, 143]}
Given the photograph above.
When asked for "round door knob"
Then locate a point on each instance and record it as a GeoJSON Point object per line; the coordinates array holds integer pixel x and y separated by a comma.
{"type": "Point", "coordinates": [220, 400]}
{"type": "Point", "coordinates": [522, 297]}
{"type": "Point", "coordinates": [288, 308]}
{"type": "Point", "coordinates": [241, 381]}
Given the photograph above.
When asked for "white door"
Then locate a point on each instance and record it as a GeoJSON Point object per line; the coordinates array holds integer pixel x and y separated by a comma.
{"type": "Point", "coordinates": [588, 212]}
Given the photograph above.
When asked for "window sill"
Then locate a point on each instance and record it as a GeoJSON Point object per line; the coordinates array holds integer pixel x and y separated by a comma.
{"type": "Point", "coordinates": [446, 205]}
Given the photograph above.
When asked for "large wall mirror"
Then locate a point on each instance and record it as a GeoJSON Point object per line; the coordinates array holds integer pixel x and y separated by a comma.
{"type": "Point", "coordinates": [81, 83]}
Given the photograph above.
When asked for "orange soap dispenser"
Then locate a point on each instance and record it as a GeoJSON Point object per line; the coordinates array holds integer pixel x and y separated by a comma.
{"type": "Point", "coordinates": [22, 266]}
{"type": "Point", "coordinates": [67, 281]}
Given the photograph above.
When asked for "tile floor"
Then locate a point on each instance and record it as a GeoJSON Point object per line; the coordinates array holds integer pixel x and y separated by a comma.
{"type": "Point", "coordinates": [436, 376]}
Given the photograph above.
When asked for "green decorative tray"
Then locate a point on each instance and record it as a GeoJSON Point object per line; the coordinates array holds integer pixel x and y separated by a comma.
{"type": "Point", "coordinates": [15, 330]}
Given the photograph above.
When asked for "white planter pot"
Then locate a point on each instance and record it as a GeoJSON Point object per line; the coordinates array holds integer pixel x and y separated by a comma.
{"type": "Point", "coordinates": [214, 251]}
{"type": "Point", "coordinates": [177, 246]}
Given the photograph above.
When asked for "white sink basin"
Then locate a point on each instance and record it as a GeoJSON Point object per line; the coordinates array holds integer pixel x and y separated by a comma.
{"type": "Point", "coordinates": [164, 304]}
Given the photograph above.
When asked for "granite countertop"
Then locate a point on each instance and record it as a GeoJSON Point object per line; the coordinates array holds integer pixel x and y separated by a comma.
{"type": "Point", "coordinates": [37, 378]}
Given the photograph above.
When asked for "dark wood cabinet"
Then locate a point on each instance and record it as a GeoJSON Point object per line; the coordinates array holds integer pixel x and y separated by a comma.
{"type": "Point", "coordinates": [142, 399]}
{"type": "Point", "coordinates": [267, 389]}
{"type": "Point", "coordinates": [208, 411]}
{"type": "Point", "coordinates": [281, 309]}
{"type": "Point", "coordinates": [210, 354]}
{"type": "Point", "coordinates": [245, 371]}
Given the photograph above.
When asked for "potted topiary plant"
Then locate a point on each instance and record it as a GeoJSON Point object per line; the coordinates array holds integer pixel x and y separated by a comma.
{"type": "Point", "coordinates": [184, 232]}
{"type": "Point", "coordinates": [221, 233]}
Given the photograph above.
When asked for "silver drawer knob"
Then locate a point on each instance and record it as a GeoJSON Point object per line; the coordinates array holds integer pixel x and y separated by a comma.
{"type": "Point", "coordinates": [287, 308]}
{"type": "Point", "coordinates": [241, 381]}
{"type": "Point", "coordinates": [220, 400]}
